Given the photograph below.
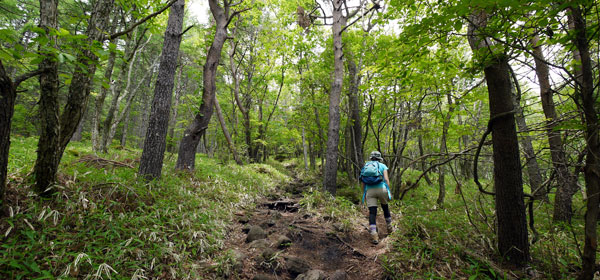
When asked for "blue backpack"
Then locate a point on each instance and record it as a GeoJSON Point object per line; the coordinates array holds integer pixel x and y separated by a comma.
{"type": "Point", "coordinates": [370, 174]}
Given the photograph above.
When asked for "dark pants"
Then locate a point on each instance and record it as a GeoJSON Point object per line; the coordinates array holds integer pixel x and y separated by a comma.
{"type": "Point", "coordinates": [373, 213]}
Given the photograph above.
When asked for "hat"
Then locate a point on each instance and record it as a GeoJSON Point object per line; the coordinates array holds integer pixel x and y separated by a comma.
{"type": "Point", "coordinates": [376, 155]}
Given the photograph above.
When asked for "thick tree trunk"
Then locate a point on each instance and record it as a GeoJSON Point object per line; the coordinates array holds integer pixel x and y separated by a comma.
{"type": "Point", "coordinates": [155, 143]}
{"type": "Point", "coordinates": [586, 101]}
{"type": "Point", "coordinates": [186, 158]}
{"type": "Point", "coordinates": [83, 75]}
{"type": "Point", "coordinates": [8, 94]}
{"type": "Point", "coordinates": [513, 243]}
{"type": "Point", "coordinates": [333, 132]}
{"type": "Point", "coordinates": [49, 151]}
{"type": "Point", "coordinates": [7, 108]}
{"type": "Point", "coordinates": [46, 165]}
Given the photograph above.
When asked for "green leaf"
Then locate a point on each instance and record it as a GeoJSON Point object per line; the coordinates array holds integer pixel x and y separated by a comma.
{"type": "Point", "coordinates": [458, 25]}
{"type": "Point", "coordinates": [63, 32]}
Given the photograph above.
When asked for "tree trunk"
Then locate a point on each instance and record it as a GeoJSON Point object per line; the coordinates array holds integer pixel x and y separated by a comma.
{"type": "Point", "coordinates": [100, 100]}
{"type": "Point", "coordinates": [333, 132]}
{"type": "Point", "coordinates": [50, 150]}
{"type": "Point", "coordinates": [586, 101]}
{"type": "Point", "coordinates": [355, 151]}
{"type": "Point", "coordinates": [8, 96]}
{"type": "Point", "coordinates": [83, 75]}
{"type": "Point", "coordinates": [78, 134]}
{"type": "Point", "coordinates": [567, 186]}
{"type": "Point", "coordinates": [244, 108]}
{"type": "Point", "coordinates": [320, 129]}
{"type": "Point", "coordinates": [465, 161]}
{"type": "Point", "coordinates": [125, 130]}
{"type": "Point", "coordinates": [115, 116]}
{"type": "Point", "coordinates": [46, 165]}
{"type": "Point", "coordinates": [513, 243]}
{"type": "Point", "coordinates": [230, 143]}
{"type": "Point", "coordinates": [104, 88]}
{"type": "Point", "coordinates": [186, 157]}
{"type": "Point", "coordinates": [304, 149]}
{"type": "Point", "coordinates": [129, 96]}
{"type": "Point", "coordinates": [155, 143]}
{"type": "Point", "coordinates": [173, 118]}
{"type": "Point", "coordinates": [444, 150]}
{"type": "Point", "coordinates": [117, 89]}
{"type": "Point", "coordinates": [533, 169]}
{"type": "Point", "coordinates": [145, 114]}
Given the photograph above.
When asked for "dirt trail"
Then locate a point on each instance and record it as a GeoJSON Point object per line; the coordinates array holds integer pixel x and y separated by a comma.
{"type": "Point", "coordinates": [279, 241]}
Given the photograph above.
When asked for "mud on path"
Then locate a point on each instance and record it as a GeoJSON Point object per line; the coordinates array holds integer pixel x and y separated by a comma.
{"type": "Point", "coordinates": [278, 240]}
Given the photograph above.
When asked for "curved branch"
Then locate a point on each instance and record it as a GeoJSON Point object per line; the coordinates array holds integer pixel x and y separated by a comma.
{"type": "Point", "coordinates": [146, 18]}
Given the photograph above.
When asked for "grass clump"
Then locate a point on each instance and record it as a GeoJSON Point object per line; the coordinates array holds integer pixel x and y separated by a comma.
{"type": "Point", "coordinates": [104, 222]}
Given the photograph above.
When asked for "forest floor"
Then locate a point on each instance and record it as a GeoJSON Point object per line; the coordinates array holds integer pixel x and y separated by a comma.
{"type": "Point", "coordinates": [278, 240]}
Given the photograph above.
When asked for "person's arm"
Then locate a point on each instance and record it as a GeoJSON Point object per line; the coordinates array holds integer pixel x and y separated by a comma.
{"type": "Point", "coordinates": [386, 178]}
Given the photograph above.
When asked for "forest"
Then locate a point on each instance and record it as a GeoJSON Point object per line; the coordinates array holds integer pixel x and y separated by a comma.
{"type": "Point", "coordinates": [224, 139]}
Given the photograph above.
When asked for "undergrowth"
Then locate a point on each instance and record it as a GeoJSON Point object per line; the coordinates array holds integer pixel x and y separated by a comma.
{"type": "Point", "coordinates": [457, 240]}
{"type": "Point", "coordinates": [105, 223]}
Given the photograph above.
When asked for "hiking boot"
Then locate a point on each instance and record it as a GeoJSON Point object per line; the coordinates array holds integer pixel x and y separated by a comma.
{"type": "Point", "coordinates": [390, 228]}
{"type": "Point", "coordinates": [374, 237]}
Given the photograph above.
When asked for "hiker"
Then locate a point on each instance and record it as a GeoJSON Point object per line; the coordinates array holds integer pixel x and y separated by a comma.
{"type": "Point", "coordinates": [374, 177]}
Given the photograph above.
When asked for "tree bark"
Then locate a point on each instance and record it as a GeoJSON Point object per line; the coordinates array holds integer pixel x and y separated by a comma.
{"type": "Point", "coordinates": [155, 143]}
{"type": "Point", "coordinates": [46, 165]}
{"type": "Point", "coordinates": [186, 158]}
{"type": "Point", "coordinates": [513, 243]}
{"type": "Point", "coordinates": [586, 101]}
{"type": "Point", "coordinates": [355, 152]}
{"type": "Point", "coordinates": [83, 75]}
{"type": "Point", "coordinates": [8, 96]}
{"type": "Point", "coordinates": [50, 149]}
{"type": "Point", "coordinates": [533, 169]}
{"type": "Point", "coordinates": [333, 132]}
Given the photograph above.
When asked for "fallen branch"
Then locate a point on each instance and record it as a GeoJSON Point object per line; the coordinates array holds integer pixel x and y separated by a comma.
{"type": "Point", "coordinates": [102, 162]}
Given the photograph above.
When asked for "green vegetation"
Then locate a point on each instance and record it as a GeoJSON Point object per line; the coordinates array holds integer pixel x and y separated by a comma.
{"type": "Point", "coordinates": [438, 243]}
{"type": "Point", "coordinates": [105, 222]}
